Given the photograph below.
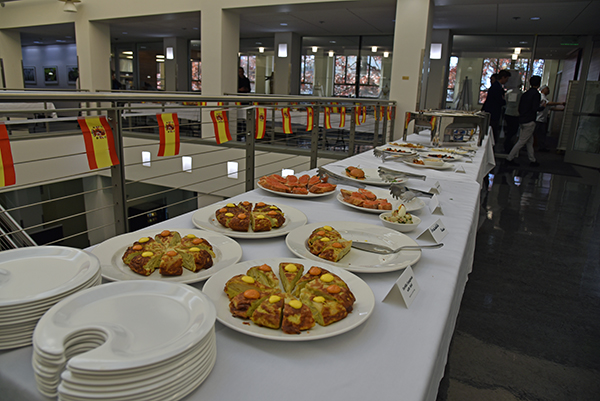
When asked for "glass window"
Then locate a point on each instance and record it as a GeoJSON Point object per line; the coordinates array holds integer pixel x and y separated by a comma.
{"type": "Point", "coordinates": [307, 74]}
{"type": "Point", "coordinates": [248, 63]}
{"type": "Point", "coordinates": [345, 76]}
{"type": "Point", "coordinates": [490, 66]}
{"type": "Point", "coordinates": [451, 78]}
{"type": "Point", "coordinates": [370, 76]}
{"type": "Point", "coordinates": [197, 75]}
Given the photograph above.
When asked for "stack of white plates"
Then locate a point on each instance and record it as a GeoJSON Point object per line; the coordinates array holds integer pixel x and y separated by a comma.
{"type": "Point", "coordinates": [32, 280]}
{"type": "Point", "coordinates": [128, 340]}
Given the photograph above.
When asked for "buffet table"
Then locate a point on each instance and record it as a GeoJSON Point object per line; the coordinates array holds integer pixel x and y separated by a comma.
{"type": "Point", "coordinates": [398, 353]}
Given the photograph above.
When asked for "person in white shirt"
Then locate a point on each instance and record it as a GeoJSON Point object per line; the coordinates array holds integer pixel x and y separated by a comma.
{"type": "Point", "coordinates": [541, 121]}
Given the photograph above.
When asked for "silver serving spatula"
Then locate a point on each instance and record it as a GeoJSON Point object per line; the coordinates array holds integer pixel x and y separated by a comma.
{"type": "Point", "coordinates": [376, 248]}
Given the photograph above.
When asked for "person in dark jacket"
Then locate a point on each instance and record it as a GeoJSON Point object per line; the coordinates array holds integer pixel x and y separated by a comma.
{"type": "Point", "coordinates": [495, 101]}
{"type": "Point", "coordinates": [529, 105]}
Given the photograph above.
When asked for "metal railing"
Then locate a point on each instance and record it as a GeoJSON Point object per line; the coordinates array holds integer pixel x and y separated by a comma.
{"type": "Point", "coordinates": [57, 199]}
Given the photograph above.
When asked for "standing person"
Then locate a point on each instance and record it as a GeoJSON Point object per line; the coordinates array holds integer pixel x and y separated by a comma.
{"type": "Point", "coordinates": [495, 101]}
{"type": "Point", "coordinates": [541, 121]}
{"type": "Point", "coordinates": [511, 116]}
{"type": "Point", "coordinates": [528, 108]}
{"type": "Point", "coordinates": [243, 82]}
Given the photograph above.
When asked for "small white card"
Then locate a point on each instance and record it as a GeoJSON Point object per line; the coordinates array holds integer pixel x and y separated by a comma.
{"type": "Point", "coordinates": [406, 286]}
{"type": "Point", "coordinates": [436, 232]}
{"type": "Point", "coordinates": [460, 169]}
{"type": "Point", "coordinates": [436, 188]}
{"type": "Point", "coordinates": [434, 205]}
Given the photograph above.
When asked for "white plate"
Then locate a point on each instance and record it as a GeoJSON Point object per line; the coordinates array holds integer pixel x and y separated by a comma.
{"type": "Point", "coordinates": [356, 260]}
{"type": "Point", "coordinates": [205, 218]}
{"type": "Point", "coordinates": [110, 252]}
{"type": "Point", "coordinates": [371, 175]}
{"type": "Point", "coordinates": [178, 317]}
{"type": "Point", "coordinates": [365, 302]}
{"type": "Point", "coordinates": [309, 195]}
{"type": "Point", "coordinates": [36, 273]}
{"type": "Point", "coordinates": [443, 166]}
{"type": "Point", "coordinates": [412, 206]}
{"type": "Point", "coordinates": [397, 150]}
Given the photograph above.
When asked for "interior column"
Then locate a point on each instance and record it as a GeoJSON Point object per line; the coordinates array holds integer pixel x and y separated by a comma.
{"type": "Point", "coordinates": [413, 24]}
{"type": "Point", "coordinates": [176, 68]}
{"type": "Point", "coordinates": [287, 68]}
{"type": "Point", "coordinates": [93, 54]}
{"type": "Point", "coordinates": [12, 59]}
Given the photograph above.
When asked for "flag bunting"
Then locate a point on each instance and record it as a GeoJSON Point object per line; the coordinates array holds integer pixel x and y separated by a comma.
{"type": "Point", "coordinates": [7, 167]}
{"type": "Point", "coordinates": [221, 125]}
{"type": "Point", "coordinates": [327, 118]}
{"type": "Point", "coordinates": [310, 115]}
{"type": "Point", "coordinates": [342, 116]}
{"type": "Point", "coordinates": [287, 120]}
{"type": "Point", "coordinates": [168, 130]}
{"type": "Point", "coordinates": [99, 142]}
{"type": "Point", "coordinates": [261, 123]}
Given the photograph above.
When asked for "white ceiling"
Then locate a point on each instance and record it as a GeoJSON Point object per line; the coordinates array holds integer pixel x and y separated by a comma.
{"type": "Point", "coordinates": [498, 24]}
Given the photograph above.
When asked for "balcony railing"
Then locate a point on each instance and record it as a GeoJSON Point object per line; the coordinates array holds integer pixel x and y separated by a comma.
{"type": "Point", "coordinates": [57, 199]}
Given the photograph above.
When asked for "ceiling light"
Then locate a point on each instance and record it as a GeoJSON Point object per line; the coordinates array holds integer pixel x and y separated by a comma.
{"type": "Point", "coordinates": [517, 50]}
{"type": "Point", "coordinates": [170, 53]}
{"type": "Point", "coordinates": [124, 33]}
{"type": "Point", "coordinates": [283, 24]}
{"type": "Point", "coordinates": [314, 49]}
{"type": "Point", "coordinates": [282, 50]}
{"type": "Point", "coordinates": [332, 41]}
{"type": "Point", "coordinates": [534, 18]}
{"type": "Point", "coordinates": [160, 60]}
{"type": "Point", "coordinates": [386, 54]}
{"type": "Point", "coordinates": [160, 56]}
{"type": "Point", "coordinates": [130, 57]}
{"type": "Point", "coordinates": [70, 6]}
{"type": "Point", "coordinates": [374, 49]}
{"type": "Point", "coordinates": [331, 53]}
{"type": "Point", "coordinates": [261, 49]}
{"type": "Point", "coordinates": [127, 52]}
{"type": "Point", "coordinates": [259, 43]}
{"type": "Point", "coordinates": [523, 42]}
{"type": "Point", "coordinates": [515, 56]}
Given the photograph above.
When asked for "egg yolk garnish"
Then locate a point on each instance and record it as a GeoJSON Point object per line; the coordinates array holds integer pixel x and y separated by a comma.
{"type": "Point", "coordinates": [294, 303]}
{"type": "Point", "coordinates": [248, 279]}
{"type": "Point", "coordinates": [291, 268]}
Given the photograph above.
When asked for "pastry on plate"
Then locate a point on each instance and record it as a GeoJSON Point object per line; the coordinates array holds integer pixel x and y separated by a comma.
{"type": "Point", "coordinates": [264, 274]}
{"type": "Point", "coordinates": [289, 274]}
{"type": "Point", "coordinates": [324, 287]}
{"type": "Point", "coordinates": [297, 317]}
{"type": "Point", "coordinates": [335, 250]}
{"type": "Point", "coordinates": [313, 273]}
{"type": "Point", "coordinates": [168, 238]}
{"type": "Point", "coordinates": [171, 263]}
{"type": "Point", "coordinates": [241, 283]}
{"type": "Point", "coordinates": [145, 263]}
{"type": "Point", "coordinates": [244, 304]}
{"type": "Point", "coordinates": [270, 312]}
{"type": "Point", "coordinates": [325, 311]}
{"type": "Point", "coordinates": [195, 259]}
{"type": "Point", "coordinates": [260, 222]}
{"type": "Point", "coordinates": [191, 241]}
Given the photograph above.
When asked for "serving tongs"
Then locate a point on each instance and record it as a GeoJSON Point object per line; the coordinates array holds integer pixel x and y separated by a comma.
{"type": "Point", "coordinates": [335, 178]}
{"type": "Point", "coordinates": [390, 175]}
{"type": "Point", "coordinates": [406, 194]}
{"type": "Point", "coordinates": [386, 250]}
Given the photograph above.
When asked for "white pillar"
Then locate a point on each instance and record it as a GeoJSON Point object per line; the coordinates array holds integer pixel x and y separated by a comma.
{"type": "Point", "coordinates": [12, 59]}
{"type": "Point", "coordinates": [176, 69]}
{"type": "Point", "coordinates": [413, 24]}
{"type": "Point", "coordinates": [261, 70]}
{"type": "Point", "coordinates": [438, 70]}
{"type": "Point", "coordinates": [287, 69]}
{"type": "Point", "coordinates": [220, 34]}
{"type": "Point", "coordinates": [93, 54]}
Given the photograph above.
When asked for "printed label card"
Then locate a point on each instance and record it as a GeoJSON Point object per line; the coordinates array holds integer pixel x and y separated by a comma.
{"type": "Point", "coordinates": [436, 232]}
{"type": "Point", "coordinates": [405, 287]}
{"type": "Point", "coordinates": [434, 205]}
{"type": "Point", "coordinates": [436, 188]}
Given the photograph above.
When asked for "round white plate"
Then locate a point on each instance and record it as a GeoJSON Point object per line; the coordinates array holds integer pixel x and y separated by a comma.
{"type": "Point", "coordinates": [356, 260]}
{"type": "Point", "coordinates": [412, 206]}
{"type": "Point", "coordinates": [403, 145]}
{"type": "Point", "coordinates": [309, 195]}
{"type": "Point", "coordinates": [178, 317]}
{"type": "Point", "coordinates": [205, 218]}
{"type": "Point", "coordinates": [397, 150]}
{"type": "Point", "coordinates": [362, 309]}
{"type": "Point", "coordinates": [37, 273]}
{"type": "Point", "coordinates": [110, 252]}
{"type": "Point", "coordinates": [440, 167]}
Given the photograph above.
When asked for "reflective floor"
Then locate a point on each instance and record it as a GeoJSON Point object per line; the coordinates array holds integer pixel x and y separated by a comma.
{"type": "Point", "coordinates": [529, 322]}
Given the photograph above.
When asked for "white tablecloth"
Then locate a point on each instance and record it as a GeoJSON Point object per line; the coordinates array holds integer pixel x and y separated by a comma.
{"type": "Point", "coordinates": [398, 353]}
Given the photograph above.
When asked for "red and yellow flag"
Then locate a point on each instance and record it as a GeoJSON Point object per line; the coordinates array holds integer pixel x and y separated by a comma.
{"type": "Point", "coordinates": [407, 119]}
{"type": "Point", "coordinates": [391, 112]}
{"type": "Point", "coordinates": [261, 123]}
{"type": "Point", "coordinates": [219, 103]}
{"type": "Point", "coordinates": [335, 109]}
{"type": "Point", "coordinates": [364, 114]}
{"type": "Point", "coordinates": [99, 142]}
{"type": "Point", "coordinates": [203, 103]}
{"type": "Point", "coordinates": [168, 129]}
{"type": "Point", "coordinates": [310, 116]}
{"type": "Point", "coordinates": [342, 117]}
{"type": "Point", "coordinates": [7, 167]}
{"type": "Point", "coordinates": [238, 103]}
{"type": "Point", "coordinates": [327, 118]}
{"type": "Point", "coordinates": [287, 120]}
{"type": "Point", "coordinates": [356, 113]}
{"type": "Point", "coordinates": [221, 125]}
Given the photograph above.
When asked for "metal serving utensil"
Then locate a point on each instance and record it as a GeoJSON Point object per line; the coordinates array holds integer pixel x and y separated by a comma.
{"type": "Point", "coordinates": [338, 178]}
{"type": "Point", "coordinates": [386, 250]}
{"type": "Point", "coordinates": [406, 194]}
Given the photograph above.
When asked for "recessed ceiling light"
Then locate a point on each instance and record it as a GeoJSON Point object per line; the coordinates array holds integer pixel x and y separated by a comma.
{"type": "Point", "coordinates": [195, 28]}
{"type": "Point", "coordinates": [283, 24]}
{"type": "Point", "coordinates": [523, 42]}
{"type": "Point", "coordinates": [259, 43]}
{"type": "Point", "coordinates": [534, 18]}
{"type": "Point", "coordinates": [124, 33]}
{"type": "Point", "coordinates": [332, 41]}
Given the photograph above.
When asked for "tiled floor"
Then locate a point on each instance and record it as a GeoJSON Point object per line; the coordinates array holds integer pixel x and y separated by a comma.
{"type": "Point", "coordinates": [529, 322]}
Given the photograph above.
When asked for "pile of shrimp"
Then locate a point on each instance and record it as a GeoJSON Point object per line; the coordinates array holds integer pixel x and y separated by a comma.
{"type": "Point", "coordinates": [365, 198]}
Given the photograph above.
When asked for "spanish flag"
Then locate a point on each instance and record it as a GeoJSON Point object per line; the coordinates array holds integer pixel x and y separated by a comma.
{"type": "Point", "coordinates": [287, 120]}
{"type": "Point", "coordinates": [7, 168]}
{"type": "Point", "coordinates": [168, 129]}
{"type": "Point", "coordinates": [99, 142]}
{"type": "Point", "coordinates": [221, 125]}
{"type": "Point", "coordinates": [203, 103]}
{"type": "Point", "coordinates": [342, 117]}
{"type": "Point", "coordinates": [364, 114]}
{"type": "Point", "coordinates": [310, 115]}
{"type": "Point", "coordinates": [335, 109]}
{"type": "Point", "coordinates": [391, 112]}
{"type": "Point", "coordinates": [407, 119]}
{"type": "Point", "coordinates": [357, 111]}
{"type": "Point", "coordinates": [327, 118]}
{"type": "Point", "coordinates": [260, 123]}
{"type": "Point", "coordinates": [238, 103]}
